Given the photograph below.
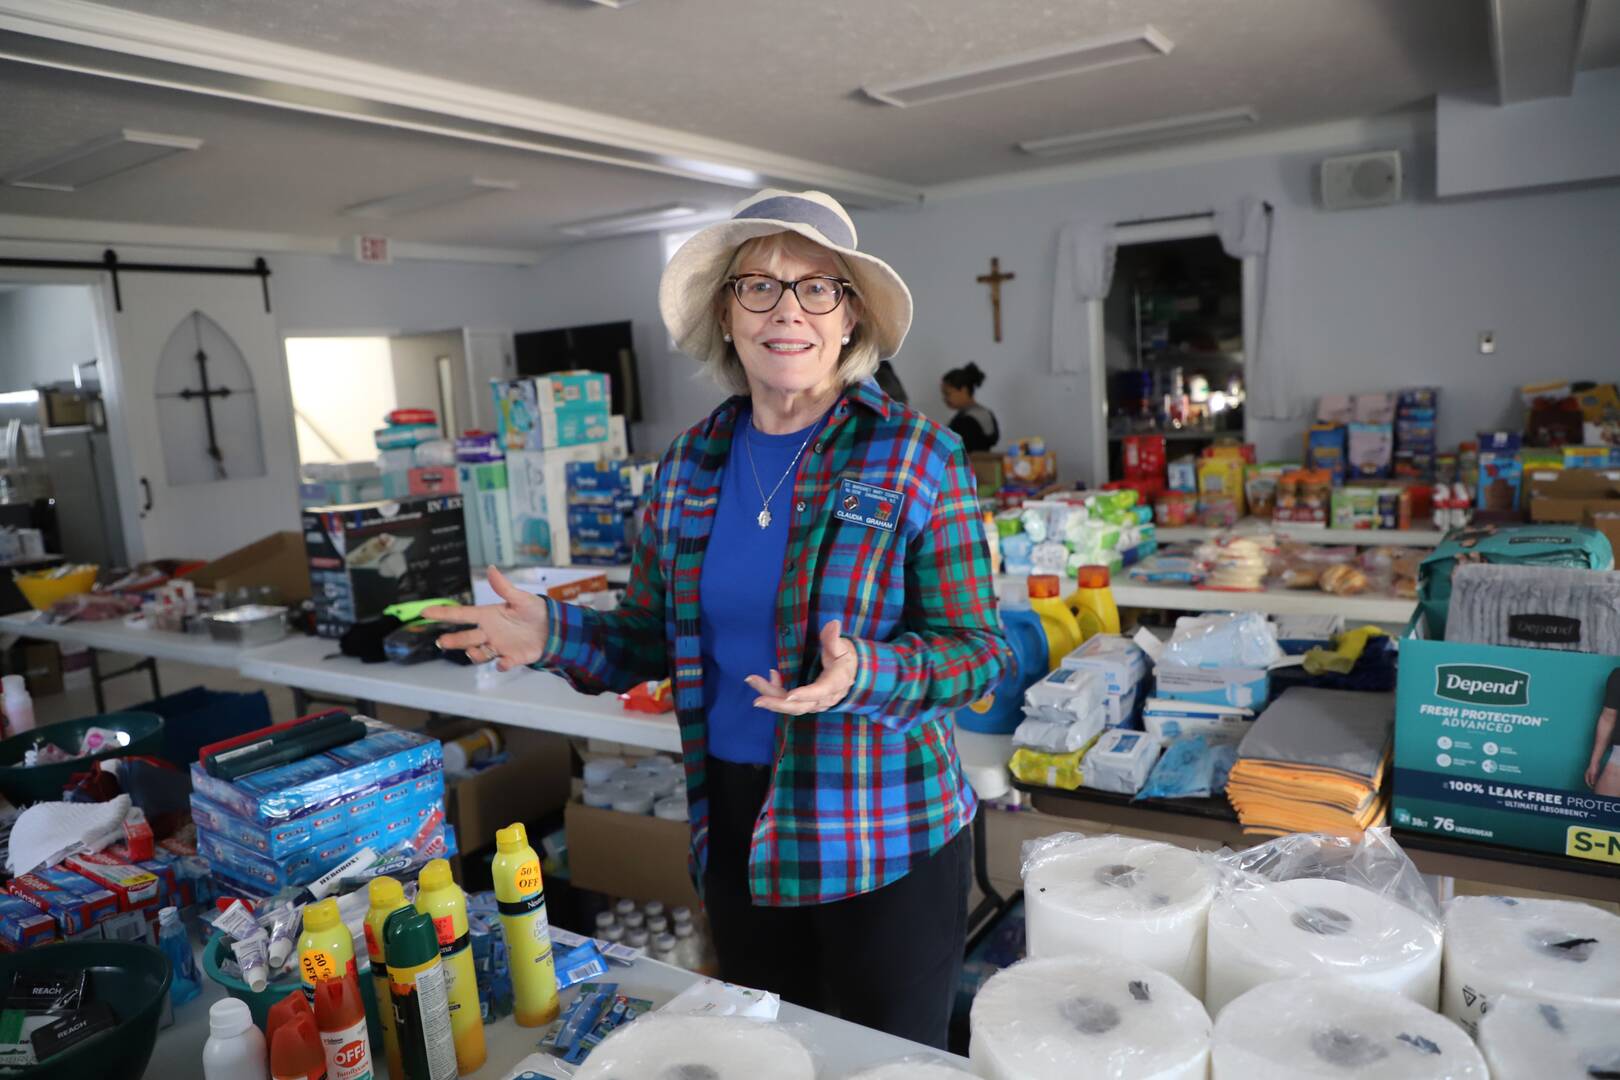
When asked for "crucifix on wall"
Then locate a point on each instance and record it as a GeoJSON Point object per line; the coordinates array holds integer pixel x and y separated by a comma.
{"type": "Point", "coordinates": [994, 279]}
{"type": "Point", "coordinates": [207, 409]}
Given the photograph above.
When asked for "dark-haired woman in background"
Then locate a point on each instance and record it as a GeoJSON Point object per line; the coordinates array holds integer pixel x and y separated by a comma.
{"type": "Point", "coordinates": [973, 422]}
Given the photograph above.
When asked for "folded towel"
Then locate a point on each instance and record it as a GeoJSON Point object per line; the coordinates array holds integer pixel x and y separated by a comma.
{"type": "Point", "coordinates": [47, 833]}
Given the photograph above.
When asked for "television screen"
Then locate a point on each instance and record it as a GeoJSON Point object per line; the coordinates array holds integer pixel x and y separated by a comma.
{"type": "Point", "coordinates": [604, 347]}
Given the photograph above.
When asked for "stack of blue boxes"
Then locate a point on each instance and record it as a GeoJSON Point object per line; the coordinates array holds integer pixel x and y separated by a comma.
{"type": "Point", "coordinates": [1416, 421]}
{"type": "Point", "coordinates": [286, 826]}
{"type": "Point", "coordinates": [603, 497]}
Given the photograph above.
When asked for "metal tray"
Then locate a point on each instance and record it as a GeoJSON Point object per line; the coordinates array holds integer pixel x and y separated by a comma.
{"type": "Point", "coordinates": [251, 624]}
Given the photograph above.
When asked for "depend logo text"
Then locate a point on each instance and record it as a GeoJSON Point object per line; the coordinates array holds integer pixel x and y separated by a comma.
{"type": "Point", "coordinates": [1479, 684]}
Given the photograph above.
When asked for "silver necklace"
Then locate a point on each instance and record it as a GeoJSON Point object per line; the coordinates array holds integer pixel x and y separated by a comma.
{"type": "Point", "coordinates": [764, 517]}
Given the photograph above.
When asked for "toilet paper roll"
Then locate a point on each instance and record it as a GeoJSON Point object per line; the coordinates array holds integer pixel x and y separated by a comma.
{"type": "Point", "coordinates": [1558, 951]}
{"type": "Point", "coordinates": [1298, 1029]}
{"type": "Point", "coordinates": [1537, 1040]}
{"type": "Point", "coordinates": [1115, 896]}
{"type": "Point", "coordinates": [913, 1070]}
{"type": "Point", "coordinates": [1267, 930]}
{"type": "Point", "coordinates": [1075, 1016]}
{"type": "Point", "coordinates": [713, 1047]}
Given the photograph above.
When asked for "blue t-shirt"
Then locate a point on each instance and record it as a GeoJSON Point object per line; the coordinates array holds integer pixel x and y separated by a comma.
{"type": "Point", "coordinates": [742, 573]}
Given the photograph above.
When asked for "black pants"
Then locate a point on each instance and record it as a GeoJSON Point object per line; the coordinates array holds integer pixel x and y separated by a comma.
{"type": "Point", "coordinates": [888, 959]}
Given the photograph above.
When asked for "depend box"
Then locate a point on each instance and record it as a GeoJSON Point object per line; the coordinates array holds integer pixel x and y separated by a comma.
{"type": "Point", "coordinates": [74, 901]}
{"type": "Point", "coordinates": [342, 775]}
{"type": "Point", "coordinates": [543, 412]}
{"type": "Point", "coordinates": [368, 556]}
{"type": "Point", "coordinates": [1492, 743]}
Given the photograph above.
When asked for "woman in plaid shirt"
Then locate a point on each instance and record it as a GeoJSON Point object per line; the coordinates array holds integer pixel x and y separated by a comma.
{"type": "Point", "coordinates": [812, 575]}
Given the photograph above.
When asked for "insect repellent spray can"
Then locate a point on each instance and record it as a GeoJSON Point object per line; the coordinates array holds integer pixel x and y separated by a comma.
{"type": "Point", "coordinates": [416, 984]}
{"type": "Point", "coordinates": [521, 896]}
{"type": "Point", "coordinates": [387, 897]}
{"type": "Point", "coordinates": [441, 898]}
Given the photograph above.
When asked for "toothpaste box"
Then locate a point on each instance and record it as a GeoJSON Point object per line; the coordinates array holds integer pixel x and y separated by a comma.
{"type": "Point", "coordinates": [134, 886]}
{"type": "Point", "coordinates": [286, 837]}
{"type": "Point", "coordinates": [336, 778]}
{"type": "Point", "coordinates": [169, 891]}
{"type": "Point", "coordinates": [74, 901]}
{"type": "Point", "coordinates": [22, 925]}
{"type": "Point", "coordinates": [1248, 688]}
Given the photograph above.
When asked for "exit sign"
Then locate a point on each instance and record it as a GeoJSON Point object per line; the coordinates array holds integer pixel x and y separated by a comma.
{"type": "Point", "coordinates": [372, 249]}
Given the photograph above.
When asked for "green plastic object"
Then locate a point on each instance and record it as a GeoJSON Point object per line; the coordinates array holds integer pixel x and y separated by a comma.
{"type": "Point", "coordinates": [43, 783]}
{"type": "Point", "coordinates": [411, 610]}
{"type": "Point", "coordinates": [130, 977]}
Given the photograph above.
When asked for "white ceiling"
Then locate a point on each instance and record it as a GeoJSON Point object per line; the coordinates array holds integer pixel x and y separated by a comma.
{"type": "Point", "coordinates": [777, 76]}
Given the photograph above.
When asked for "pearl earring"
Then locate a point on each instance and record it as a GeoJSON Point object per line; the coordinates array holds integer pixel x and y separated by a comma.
{"type": "Point", "coordinates": [727, 337]}
{"type": "Point", "coordinates": [846, 339]}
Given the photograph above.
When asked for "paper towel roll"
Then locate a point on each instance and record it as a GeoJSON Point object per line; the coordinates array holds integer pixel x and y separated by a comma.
{"type": "Point", "coordinates": [1327, 1028]}
{"type": "Point", "coordinates": [1267, 930]}
{"type": "Point", "coordinates": [913, 1070]}
{"type": "Point", "coordinates": [712, 1047]}
{"type": "Point", "coordinates": [1559, 951]}
{"type": "Point", "coordinates": [1115, 896]}
{"type": "Point", "coordinates": [1537, 1040]}
{"type": "Point", "coordinates": [1074, 1016]}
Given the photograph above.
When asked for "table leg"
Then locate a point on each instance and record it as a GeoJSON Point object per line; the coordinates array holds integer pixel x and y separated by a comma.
{"type": "Point", "coordinates": [992, 903]}
{"type": "Point", "coordinates": [95, 681]}
{"type": "Point", "coordinates": [152, 671]}
{"type": "Point", "coordinates": [300, 702]}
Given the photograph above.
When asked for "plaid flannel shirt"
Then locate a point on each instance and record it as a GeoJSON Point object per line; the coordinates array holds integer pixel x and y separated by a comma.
{"type": "Point", "coordinates": [856, 793]}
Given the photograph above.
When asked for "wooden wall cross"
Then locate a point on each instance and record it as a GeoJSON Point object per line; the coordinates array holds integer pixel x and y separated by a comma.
{"type": "Point", "coordinates": [994, 279]}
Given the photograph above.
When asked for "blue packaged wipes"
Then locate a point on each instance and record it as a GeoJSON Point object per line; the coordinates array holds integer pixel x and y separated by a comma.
{"type": "Point", "coordinates": [1193, 766]}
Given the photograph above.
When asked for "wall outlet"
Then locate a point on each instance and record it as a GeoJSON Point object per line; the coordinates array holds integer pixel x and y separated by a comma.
{"type": "Point", "coordinates": [1487, 342]}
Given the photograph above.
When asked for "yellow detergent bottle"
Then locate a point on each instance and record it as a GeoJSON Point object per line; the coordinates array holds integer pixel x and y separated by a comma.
{"type": "Point", "coordinates": [439, 897]}
{"type": "Point", "coordinates": [521, 896]}
{"type": "Point", "coordinates": [387, 896]}
{"type": "Point", "coordinates": [1062, 631]}
{"type": "Point", "coordinates": [1093, 603]}
{"type": "Point", "coordinates": [326, 948]}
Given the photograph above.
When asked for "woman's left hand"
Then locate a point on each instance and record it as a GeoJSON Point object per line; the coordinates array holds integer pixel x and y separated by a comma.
{"type": "Point", "coordinates": [838, 665]}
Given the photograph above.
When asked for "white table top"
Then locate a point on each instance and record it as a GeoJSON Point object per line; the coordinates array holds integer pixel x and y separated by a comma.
{"type": "Point", "coordinates": [115, 636]}
{"type": "Point", "coordinates": [840, 1046]}
{"type": "Point", "coordinates": [530, 699]}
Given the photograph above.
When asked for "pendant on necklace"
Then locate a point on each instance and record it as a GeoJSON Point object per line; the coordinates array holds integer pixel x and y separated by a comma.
{"type": "Point", "coordinates": [764, 519]}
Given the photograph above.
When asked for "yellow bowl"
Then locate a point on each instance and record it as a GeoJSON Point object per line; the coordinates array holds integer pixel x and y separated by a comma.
{"type": "Point", "coordinates": [42, 591]}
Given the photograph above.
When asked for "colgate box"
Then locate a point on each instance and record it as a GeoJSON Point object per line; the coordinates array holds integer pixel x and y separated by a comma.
{"type": "Point", "coordinates": [74, 901]}
{"type": "Point", "coordinates": [22, 925]}
{"type": "Point", "coordinates": [135, 888]}
{"type": "Point", "coordinates": [1493, 743]}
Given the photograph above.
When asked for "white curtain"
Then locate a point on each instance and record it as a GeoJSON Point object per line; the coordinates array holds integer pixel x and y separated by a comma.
{"type": "Point", "coordinates": [1248, 232]}
{"type": "Point", "coordinates": [1085, 268]}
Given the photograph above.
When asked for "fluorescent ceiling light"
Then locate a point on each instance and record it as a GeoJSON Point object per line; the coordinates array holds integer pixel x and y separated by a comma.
{"type": "Point", "coordinates": [19, 397]}
{"type": "Point", "coordinates": [635, 221]}
{"type": "Point", "coordinates": [1049, 63]}
{"type": "Point", "coordinates": [614, 3]}
{"type": "Point", "coordinates": [100, 158]}
{"type": "Point", "coordinates": [408, 202]}
{"type": "Point", "coordinates": [1173, 127]}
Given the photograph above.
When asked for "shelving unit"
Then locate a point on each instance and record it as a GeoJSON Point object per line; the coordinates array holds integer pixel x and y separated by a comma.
{"type": "Point", "coordinates": [1387, 610]}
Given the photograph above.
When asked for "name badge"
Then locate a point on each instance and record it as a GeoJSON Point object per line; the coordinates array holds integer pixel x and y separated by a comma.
{"type": "Point", "coordinates": [863, 504]}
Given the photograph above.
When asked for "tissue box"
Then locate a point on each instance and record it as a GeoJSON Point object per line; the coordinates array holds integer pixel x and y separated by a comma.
{"type": "Point", "coordinates": [74, 901]}
{"type": "Point", "coordinates": [1119, 761]}
{"type": "Point", "coordinates": [1248, 688]}
{"type": "Point", "coordinates": [345, 774]}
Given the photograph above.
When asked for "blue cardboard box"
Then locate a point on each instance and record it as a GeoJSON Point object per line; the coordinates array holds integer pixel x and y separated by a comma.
{"type": "Point", "coordinates": [1247, 688]}
{"type": "Point", "coordinates": [22, 925]}
{"type": "Point", "coordinates": [74, 901]}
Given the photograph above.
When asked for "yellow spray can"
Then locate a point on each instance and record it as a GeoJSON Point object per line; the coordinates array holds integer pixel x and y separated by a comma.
{"type": "Point", "coordinates": [387, 897]}
{"type": "Point", "coordinates": [440, 898]}
{"type": "Point", "coordinates": [326, 948]}
{"type": "Point", "coordinates": [521, 896]}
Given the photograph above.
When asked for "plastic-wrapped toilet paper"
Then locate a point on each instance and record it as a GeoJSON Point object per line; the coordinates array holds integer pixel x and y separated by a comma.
{"type": "Point", "coordinates": [1304, 1029]}
{"type": "Point", "coordinates": [1537, 1040]}
{"type": "Point", "coordinates": [1116, 896]}
{"type": "Point", "coordinates": [913, 1070]}
{"type": "Point", "coordinates": [1080, 1016]}
{"type": "Point", "coordinates": [1558, 951]}
{"type": "Point", "coordinates": [1260, 931]}
{"type": "Point", "coordinates": [659, 1047]}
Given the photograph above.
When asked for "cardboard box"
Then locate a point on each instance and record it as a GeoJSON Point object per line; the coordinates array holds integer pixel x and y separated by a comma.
{"type": "Point", "coordinates": [1221, 479]}
{"type": "Point", "coordinates": [487, 511]}
{"type": "Point", "coordinates": [40, 665]}
{"type": "Point", "coordinates": [1567, 496]}
{"type": "Point", "coordinates": [538, 495]}
{"type": "Point", "coordinates": [1247, 688]}
{"type": "Point", "coordinates": [1492, 743]}
{"type": "Point", "coordinates": [532, 784]}
{"type": "Point", "coordinates": [1606, 522]}
{"type": "Point", "coordinates": [634, 855]}
{"type": "Point", "coordinates": [432, 480]}
{"type": "Point", "coordinates": [366, 557]}
{"type": "Point", "coordinates": [559, 583]}
{"type": "Point", "coordinates": [279, 561]}
{"type": "Point", "coordinates": [568, 408]}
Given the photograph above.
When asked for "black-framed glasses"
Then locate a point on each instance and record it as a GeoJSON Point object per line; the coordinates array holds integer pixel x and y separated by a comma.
{"type": "Point", "coordinates": [760, 293]}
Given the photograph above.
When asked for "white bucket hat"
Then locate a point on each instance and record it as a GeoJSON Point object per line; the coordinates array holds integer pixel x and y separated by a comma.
{"type": "Point", "coordinates": [694, 276]}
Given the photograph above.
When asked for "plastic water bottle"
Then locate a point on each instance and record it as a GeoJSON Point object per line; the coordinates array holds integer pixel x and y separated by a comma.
{"type": "Point", "coordinates": [176, 945]}
{"type": "Point", "coordinates": [19, 706]}
{"type": "Point", "coordinates": [235, 1049]}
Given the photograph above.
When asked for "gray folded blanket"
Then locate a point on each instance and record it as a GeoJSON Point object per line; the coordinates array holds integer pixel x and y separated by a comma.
{"type": "Point", "coordinates": [1538, 607]}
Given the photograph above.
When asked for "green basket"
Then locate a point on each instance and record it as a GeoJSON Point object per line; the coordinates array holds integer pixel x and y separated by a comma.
{"type": "Point", "coordinates": [258, 1003]}
{"type": "Point", "coordinates": [24, 784]}
{"type": "Point", "coordinates": [130, 977]}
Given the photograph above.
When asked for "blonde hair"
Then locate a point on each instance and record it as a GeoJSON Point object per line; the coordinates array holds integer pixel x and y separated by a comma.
{"type": "Point", "coordinates": [859, 359]}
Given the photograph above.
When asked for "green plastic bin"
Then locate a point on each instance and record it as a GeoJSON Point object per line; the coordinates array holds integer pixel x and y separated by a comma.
{"type": "Point", "coordinates": [23, 784]}
{"type": "Point", "coordinates": [130, 977]}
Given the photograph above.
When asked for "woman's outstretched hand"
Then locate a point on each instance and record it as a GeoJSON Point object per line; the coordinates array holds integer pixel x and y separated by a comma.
{"type": "Point", "coordinates": [512, 632]}
{"type": "Point", "coordinates": [838, 667]}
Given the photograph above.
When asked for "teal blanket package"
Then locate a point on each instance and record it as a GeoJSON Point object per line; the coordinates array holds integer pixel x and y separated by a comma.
{"type": "Point", "coordinates": [1568, 546]}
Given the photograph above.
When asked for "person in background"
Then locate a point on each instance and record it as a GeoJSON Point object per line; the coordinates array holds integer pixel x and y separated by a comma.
{"type": "Point", "coordinates": [889, 382]}
{"type": "Point", "coordinates": [973, 422]}
{"type": "Point", "coordinates": [812, 576]}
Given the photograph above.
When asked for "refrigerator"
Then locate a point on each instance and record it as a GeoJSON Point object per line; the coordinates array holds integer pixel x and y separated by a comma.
{"type": "Point", "coordinates": [80, 465]}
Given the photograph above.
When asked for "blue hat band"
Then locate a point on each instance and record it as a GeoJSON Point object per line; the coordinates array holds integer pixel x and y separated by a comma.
{"type": "Point", "coordinates": [804, 212]}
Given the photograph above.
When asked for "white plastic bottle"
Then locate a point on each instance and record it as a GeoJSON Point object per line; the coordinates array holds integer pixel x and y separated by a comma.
{"type": "Point", "coordinates": [235, 1048]}
{"type": "Point", "coordinates": [19, 706]}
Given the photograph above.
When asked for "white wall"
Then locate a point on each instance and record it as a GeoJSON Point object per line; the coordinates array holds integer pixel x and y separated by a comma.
{"type": "Point", "coordinates": [1482, 146]}
{"type": "Point", "coordinates": [1379, 298]}
{"type": "Point", "coordinates": [44, 331]}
